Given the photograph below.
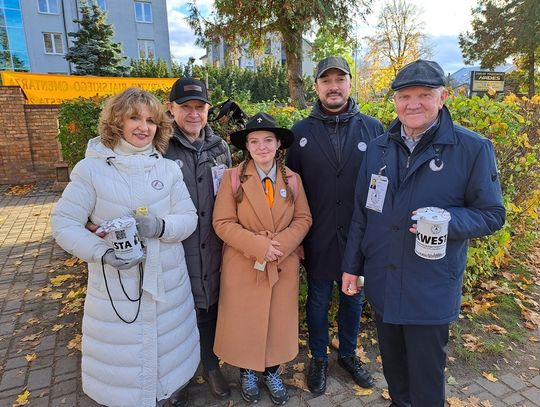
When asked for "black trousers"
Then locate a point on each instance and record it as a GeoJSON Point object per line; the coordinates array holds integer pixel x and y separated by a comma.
{"type": "Point", "coordinates": [206, 322]}
{"type": "Point", "coordinates": [414, 358]}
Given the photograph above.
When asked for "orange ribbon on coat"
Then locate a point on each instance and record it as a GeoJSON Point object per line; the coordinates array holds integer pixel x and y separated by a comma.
{"type": "Point", "coordinates": [269, 190]}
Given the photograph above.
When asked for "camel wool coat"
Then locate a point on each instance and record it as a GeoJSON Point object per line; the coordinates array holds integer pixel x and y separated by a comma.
{"type": "Point", "coordinates": [257, 323]}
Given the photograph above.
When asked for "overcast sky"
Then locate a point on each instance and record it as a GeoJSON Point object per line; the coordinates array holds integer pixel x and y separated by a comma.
{"type": "Point", "coordinates": [443, 21]}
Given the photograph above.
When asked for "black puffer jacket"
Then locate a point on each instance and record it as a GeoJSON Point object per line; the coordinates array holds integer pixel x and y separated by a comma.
{"type": "Point", "coordinates": [203, 247]}
{"type": "Point", "coordinates": [329, 177]}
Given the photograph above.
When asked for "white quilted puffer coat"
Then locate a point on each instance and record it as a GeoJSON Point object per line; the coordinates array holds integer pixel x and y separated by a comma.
{"type": "Point", "coordinates": [132, 364]}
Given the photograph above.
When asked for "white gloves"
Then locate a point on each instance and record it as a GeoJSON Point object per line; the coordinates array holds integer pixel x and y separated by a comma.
{"type": "Point", "coordinates": [110, 258]}
{"type": "Point", "coordinates": [150, 226]}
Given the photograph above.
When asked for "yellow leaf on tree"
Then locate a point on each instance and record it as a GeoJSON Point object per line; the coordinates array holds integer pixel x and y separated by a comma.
{"type": "Point", "coordinates": [489, 376]}
{"type": "Point", "coordinates": [30, 357]}
{"type": "Point", "coordinates": [22, 399]}
{"type": "Point", "coordinates": [360, 391]}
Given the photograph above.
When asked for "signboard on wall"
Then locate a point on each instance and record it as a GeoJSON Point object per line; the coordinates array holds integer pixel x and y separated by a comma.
{"type": "Point", "coordinates": [483, 81]}
{"type": "Point", "coordinates": [46, 89]}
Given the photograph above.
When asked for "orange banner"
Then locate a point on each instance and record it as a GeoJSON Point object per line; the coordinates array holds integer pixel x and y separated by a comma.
{"type": "Point", "coordinates": [48, 89]}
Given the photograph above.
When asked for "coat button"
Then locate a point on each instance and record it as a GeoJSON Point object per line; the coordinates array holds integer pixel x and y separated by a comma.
{"type": "Point", "coordinates": [202, 213]}
{"type": "Point", "coordinates": [199, 179]}
{"type": "Point", "coordinates": [339, 202]}
{"type": "Point", "coordinates": [203, 246]}
{"type": "Point", "coordinates": [395, 228]}
{"type": "Point", "coordinates": [340, 228]}
{"type": "Point", "coordinates": [392, 267]}
{"type": "Point", "coordinates": [279, 270]}
{"type": "Point", "coordinates": [205, 278]}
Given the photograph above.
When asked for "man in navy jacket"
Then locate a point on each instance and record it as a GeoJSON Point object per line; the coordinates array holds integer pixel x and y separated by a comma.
{"type": "Point", "coordinates": [328, 149]}
{"type": "Point", "coordinates": [423, 160]}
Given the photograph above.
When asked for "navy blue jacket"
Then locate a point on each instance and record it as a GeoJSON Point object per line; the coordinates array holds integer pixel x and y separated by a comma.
{"type": "Point", "coordinates": [451, 168]}
{"type": "Point", "coordinates": [329, 181]}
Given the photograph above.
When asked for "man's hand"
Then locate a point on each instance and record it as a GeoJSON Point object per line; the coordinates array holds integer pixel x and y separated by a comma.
{"type": "Point", "coordinates": [92, 227]}
{"type": "Point", "coordinates": [349, 284]}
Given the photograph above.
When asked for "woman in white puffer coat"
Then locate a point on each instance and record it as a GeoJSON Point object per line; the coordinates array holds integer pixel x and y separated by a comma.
{"type": "Point", "coordinates": [139, 351]}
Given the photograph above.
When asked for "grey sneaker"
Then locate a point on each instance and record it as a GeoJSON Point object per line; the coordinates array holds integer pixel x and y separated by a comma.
{"type": "Point", "coordinates": [249, 386]}
{"type": "Point", "coordinates": [278, 391]}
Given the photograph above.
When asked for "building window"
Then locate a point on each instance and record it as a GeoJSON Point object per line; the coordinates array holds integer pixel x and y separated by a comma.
{"type": "Point", "coordinates": [143, 12]}
{"type": "Point", "coordinates": [53, 43]}
{"type": "Point", "coordinates": [147, 49]}
{"type": "Point", "coordinates": [48, 6]}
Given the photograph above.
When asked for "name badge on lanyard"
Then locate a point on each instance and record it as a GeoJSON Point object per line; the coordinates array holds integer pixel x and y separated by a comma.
{"type": "Point", "coordinates": [377, 191]}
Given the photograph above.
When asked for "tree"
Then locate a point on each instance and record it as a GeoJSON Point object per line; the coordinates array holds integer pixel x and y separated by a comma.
{"type": "Point", "coordinates": [148, 68]}
{"type": "Point", "coordinates": [327, 43]}
{"type": "Point", "coordinates": [398, 40]}
{"type": "Point", "coordinates": [250, 21]}
{"type": "Point", "coordinates": [93, 52]}
{"type": "Point", "coordinates": [503, 29]}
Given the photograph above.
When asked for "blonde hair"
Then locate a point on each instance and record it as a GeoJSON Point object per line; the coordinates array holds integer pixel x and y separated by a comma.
{"type": "Point", "coordinates": [125, 104]}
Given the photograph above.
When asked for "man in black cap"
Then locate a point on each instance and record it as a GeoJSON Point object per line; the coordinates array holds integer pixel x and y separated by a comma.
{"type": "Point", "coordinates": [327, 151]}
{"type": "Point", "coordinates": [423, 160]}
{"type": "Point", "coordinates": [203, 156]}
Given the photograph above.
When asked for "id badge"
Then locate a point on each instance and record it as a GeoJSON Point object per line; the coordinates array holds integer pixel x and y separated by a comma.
{"type": "Point", "coordinates": [217, 176]}
{"type": "Point", "coordinates": [377, 192]}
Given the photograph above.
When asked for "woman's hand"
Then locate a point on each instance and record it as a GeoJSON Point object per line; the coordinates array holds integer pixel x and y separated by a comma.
{"type": "Point", "coordinates": [92, 227]}
{"type": "Point", "coordinates": [273, 253]}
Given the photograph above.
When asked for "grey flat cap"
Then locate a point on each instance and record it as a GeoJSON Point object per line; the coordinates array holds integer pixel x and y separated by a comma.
{"type": "Point", "coordinates": [332, 62]}
{"type": "Point", "coordinates": [419, 73]}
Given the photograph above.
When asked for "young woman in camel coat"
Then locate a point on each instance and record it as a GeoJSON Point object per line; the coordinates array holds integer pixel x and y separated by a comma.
{"type": "Point", "coordinates": [257, 328]}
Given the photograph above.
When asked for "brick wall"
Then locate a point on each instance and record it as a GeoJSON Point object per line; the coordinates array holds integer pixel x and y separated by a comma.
{"type": "Point", "coordinates": [28, 145]}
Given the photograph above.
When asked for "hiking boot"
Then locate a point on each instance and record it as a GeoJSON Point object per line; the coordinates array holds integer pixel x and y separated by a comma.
{"type": "Point", "coordinates": [316, 379]}
{"type": "Point", "coordinates": [249, 383]}
{"type": "Point", "coordinates": [357, 371]}
{"type": "Point", "coordinates": [278, 391]}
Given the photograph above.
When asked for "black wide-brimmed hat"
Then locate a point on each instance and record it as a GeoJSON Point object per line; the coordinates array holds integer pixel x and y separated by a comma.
{"type": "Point", "coordinates": [262, 121]}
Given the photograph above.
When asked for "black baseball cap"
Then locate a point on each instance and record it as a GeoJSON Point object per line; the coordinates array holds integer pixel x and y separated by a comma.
{"type": "Point", "coordinates": [185, 89]}
{"type": "Point", "coordinates": [332, 62]}
{"type": "Point", "coordinates": [262, 121]}
{"type": "Point", "coordinates": [419, 73]}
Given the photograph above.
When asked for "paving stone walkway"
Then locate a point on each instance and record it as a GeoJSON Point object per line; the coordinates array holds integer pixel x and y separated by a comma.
{"type": "Point", "coordinates": [28, 255]}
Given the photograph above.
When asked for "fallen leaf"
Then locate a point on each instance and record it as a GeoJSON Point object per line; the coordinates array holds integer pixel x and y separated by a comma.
{"type": "Point", "coordinates": [56, 296]}
{"type": "Point", "coordinates": [302, 342]}
{"type": "Point", "coordinates": [490, 377]}
{"type": "Point", "coordinates": [451, 359]}
{"type": "Point", "coordinates": [75, 343]}
{"type": "Point", "coordinates": [534, 339]}
{"type": "Point", "coordinates": [32, 337]}
{"type": "Point", "coordinates": [22, 399]}
{"type": "Point", "coordinates": [18, 263]}
{"type": "Point", "coordinates": [298, 380]}
{"type": "Point", "coordinates": [18, 190]}
{"type": "Point", "coordinates": [335, 342]}
{"type": "Point", "coordinates": [59, 280]}
{"type": "Point", "coordinates": [33, 321]}
{"type": "Point", "coordinates": [454, 402]}
{"type": "Point", "coordinates": [451, 380]}
{"type": "Point", "coordinates": [299, 367]}
{"type": "Point", "coordinates": [379, 359]}
{"type": "Point", "coordinates": [385, 394]}
{"type": "Point", "coordinates": [71, 261]}
{"type": "Point", "coordinates": [495, 329]}
{"type": "Point", "coordinates": [486, 403]}
{"type": "Point", "coordinates": [57, 327]}
{"type": "Point", "coordinates": [30, 357]}
{"type": "Point", "coordinates": [360, 391]}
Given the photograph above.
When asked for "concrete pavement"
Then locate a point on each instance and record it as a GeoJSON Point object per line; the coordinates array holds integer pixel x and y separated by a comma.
{"type": "Point", "coordinates": [34, 352]}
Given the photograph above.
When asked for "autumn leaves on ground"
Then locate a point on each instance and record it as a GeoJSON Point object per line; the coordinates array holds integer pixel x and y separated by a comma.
{"type": "Point", "coordinates": [497, 327]}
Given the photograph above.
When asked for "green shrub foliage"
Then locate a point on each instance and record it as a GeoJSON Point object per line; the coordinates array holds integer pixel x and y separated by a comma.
{"type": "Point", "coordinates": [512, 124]}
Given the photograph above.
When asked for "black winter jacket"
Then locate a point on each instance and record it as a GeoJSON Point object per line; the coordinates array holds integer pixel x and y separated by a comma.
{"type": "Point", "coordinates": [203, 247]}
{"type": "Point", "coordinates": [329, 174]}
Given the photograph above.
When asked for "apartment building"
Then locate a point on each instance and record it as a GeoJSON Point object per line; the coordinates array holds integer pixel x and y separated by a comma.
{"type": "Point", "coordinates": [33, 33]}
